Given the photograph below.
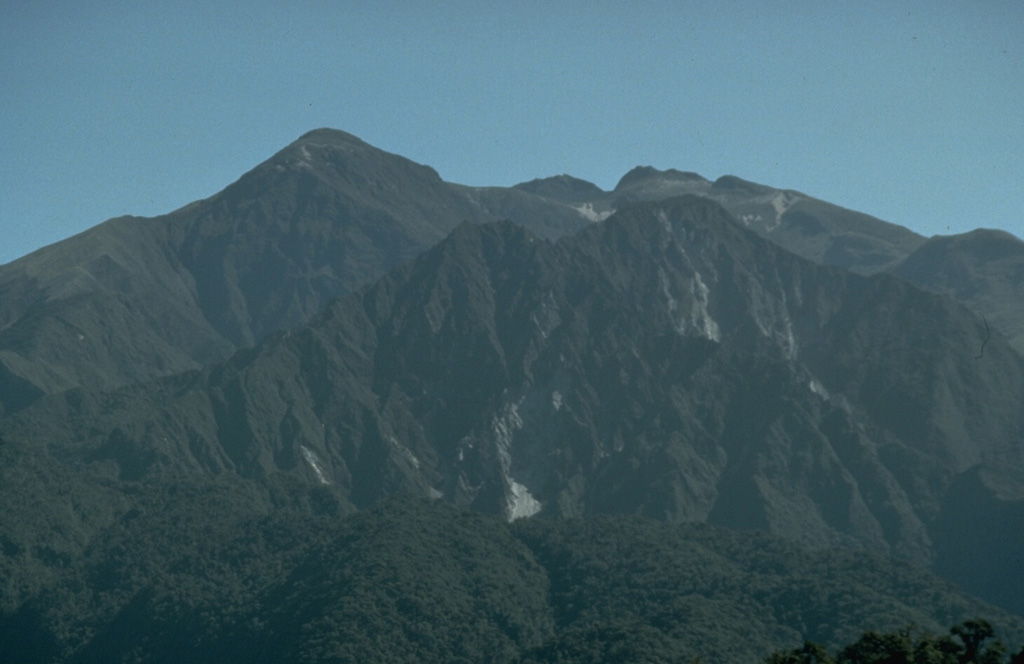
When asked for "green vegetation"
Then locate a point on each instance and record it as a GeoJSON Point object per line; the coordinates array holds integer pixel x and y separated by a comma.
{"type": "Point", "coordinates": [970, 642]}
{"type": "Point", "coordinates": [216, 569]}
{"type": "Point", "coordinates": [721, 595]}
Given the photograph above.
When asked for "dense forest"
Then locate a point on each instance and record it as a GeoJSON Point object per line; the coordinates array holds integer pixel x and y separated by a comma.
{"type": "Point", "coordinates": [971, 642]}
{"type": "Point", "coordinates": [213, 570]}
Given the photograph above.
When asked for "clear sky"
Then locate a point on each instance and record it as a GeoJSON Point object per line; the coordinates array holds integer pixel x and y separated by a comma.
{"type": "Point", "coordinates": [910, 111]}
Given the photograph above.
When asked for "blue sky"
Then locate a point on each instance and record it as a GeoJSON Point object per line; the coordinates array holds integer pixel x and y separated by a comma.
{"type": "Point", "coordinates": [913, 112]}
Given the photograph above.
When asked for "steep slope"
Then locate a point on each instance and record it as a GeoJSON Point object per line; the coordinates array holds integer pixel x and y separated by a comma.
{"type": "Point", "coordinates": [665, 362]}
{"type": "Point", "coordinates": [984, 269]}
{"type": "Point", "coordinates": [134, 298]}
{"type": "Point", "coordinates": [106, 307]}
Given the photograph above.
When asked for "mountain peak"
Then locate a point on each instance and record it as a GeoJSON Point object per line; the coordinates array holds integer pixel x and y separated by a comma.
{"type": "Point", "coordinates": [982, 245]}
{"type": "Point", "coordinates": [646, 173]}
{"type": "Point", "coordinates": [303, 151]}
{"type": "Point", "coordinates": [337, 156]}
{"type": "Point", "coordinates": [989, 237]}
{"type": "Point", "coordinates": [561, 187]}
{"type": "Point", "coordinates": [328, 136]}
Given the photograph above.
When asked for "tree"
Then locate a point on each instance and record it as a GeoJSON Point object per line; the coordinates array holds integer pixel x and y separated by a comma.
{"type": "Point", "coordinates": [874, 648]}
{"type": "Point", "coordinates": [973, 635]}
{"type": "Point", "coordinates": [970, 642]}
{"type": "Point", "coordinates": [809, 653]}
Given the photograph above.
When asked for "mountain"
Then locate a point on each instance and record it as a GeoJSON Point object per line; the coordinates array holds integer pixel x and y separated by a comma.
{"type": "Point", "coordinates": [726, 409]}
{"type": "Point", "coordinates": [666, 362]}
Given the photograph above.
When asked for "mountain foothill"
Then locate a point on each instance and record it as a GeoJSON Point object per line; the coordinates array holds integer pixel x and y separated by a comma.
{"type": "Point", "coordinates": [345, 398]}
